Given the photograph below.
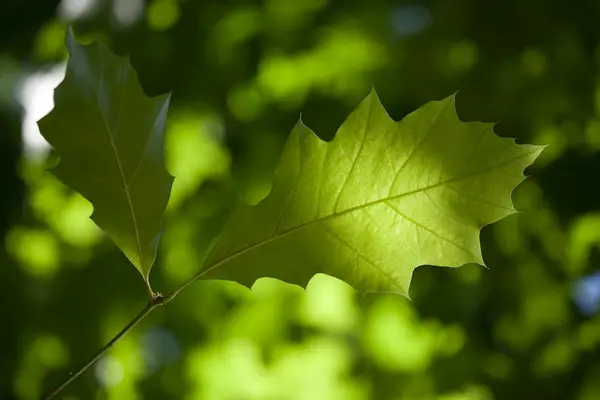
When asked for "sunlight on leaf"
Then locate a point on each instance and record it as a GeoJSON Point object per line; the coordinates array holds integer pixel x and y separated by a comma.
{"type": "Point", "coordinates": [380, 199]}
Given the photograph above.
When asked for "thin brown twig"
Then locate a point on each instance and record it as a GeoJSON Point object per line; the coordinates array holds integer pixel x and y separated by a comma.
{"type": "Point", "coordinates": [156, 302]}
{"type": "Point", "coordinates": [157, 299]}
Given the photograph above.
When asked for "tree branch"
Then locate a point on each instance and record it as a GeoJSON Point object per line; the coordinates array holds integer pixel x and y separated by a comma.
{"type": "Point", "coordinates": [157, 301]}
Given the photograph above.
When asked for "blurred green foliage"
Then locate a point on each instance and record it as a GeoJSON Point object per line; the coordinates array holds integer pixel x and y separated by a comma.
{"type": "Point", "coordinates": [241, 72]}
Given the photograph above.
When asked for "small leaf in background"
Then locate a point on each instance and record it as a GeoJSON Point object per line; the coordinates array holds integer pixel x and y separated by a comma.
{"type": "Point", "coordinates": [379, 200]}
{"type": "Point", "coordinates": [110, 136]}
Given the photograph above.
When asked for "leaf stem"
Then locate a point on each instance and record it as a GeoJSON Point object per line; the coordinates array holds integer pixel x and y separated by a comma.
{"type": "Point", "coordinates": [157, 301]}
{"type": "Point", "coordinates": [151, 292]}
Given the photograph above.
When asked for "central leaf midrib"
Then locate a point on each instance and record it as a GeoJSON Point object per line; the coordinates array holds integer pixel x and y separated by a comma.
{"type": "Point", "coordinates": [355, 208]}
{"type": "Point", "coordinates": [119, 164]}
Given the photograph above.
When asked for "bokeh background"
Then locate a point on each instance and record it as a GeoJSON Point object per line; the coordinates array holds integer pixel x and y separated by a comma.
{"type": "Point", "coordinates": [241, 72]}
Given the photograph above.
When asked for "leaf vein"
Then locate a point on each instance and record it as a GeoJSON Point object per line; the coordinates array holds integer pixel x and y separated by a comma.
{"type": "Point", "coordinates": [434, 233]}
{"type": "Point", "coordinates": [119, 164]}
{"type": "Point", "coordinates": [355, 161]}
{"type": "Point", "coordinates": [355, 251]}
{"type": "Point", "coordinates": [293, 194]}
{"type": "Point", "coordinates": [417, 147]}
{"type": "Point", "coordinates": [290, 231]}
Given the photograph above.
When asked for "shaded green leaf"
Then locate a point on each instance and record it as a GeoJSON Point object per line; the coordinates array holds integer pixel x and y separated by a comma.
{"type": "Point", "coordinates": [380, 199]}
{"type": "Point", "coordinates": [110, 136]}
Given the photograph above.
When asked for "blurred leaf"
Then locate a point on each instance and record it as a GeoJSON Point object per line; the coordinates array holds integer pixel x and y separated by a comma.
{"type": "Point", "coordinates": [163, 14]}
{"type": "Point", "coordinates": [379, 200]}
{"type": "Point", "coordinates": [37, 250]}
{"type": "Point", "coordinates": [109, 135]}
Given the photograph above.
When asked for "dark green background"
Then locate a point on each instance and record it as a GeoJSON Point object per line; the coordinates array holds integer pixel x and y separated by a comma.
{"type": "Point", "coordinates": [241, 73]}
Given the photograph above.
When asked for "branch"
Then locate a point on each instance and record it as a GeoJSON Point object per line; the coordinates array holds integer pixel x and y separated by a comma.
{"type": "Point", "coordinates": [157, 301]}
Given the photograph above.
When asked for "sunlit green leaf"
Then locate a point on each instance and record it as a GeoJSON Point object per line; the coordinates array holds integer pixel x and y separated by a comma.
{"type": "Point", "coordinates": [109, 135]}
{"type": "Point", "coordinates": [376, 202]}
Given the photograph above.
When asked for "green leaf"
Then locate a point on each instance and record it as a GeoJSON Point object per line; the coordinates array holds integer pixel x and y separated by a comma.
{"type": "Point", "coordinates": [110, 136]}
{"type": "Point", "coordinates": [379, 200]}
